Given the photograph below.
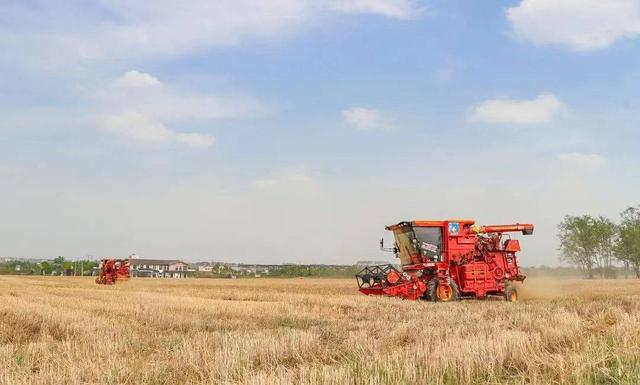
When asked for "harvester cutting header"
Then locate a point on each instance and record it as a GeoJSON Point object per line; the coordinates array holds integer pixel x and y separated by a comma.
{"type": "Point", "coordinates": [447, 260]}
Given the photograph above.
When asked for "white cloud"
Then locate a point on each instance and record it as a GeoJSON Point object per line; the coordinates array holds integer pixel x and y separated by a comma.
{"type": "Point", "coordinates": [542, 109]}
{"type": "Point", "coordinates": [579, 24]}
{"type": "Point", "coordinates": [583, 160]}
{"type": "Point", "coordinates": [399, 9]}
{"type": "Point", "coordinates": [169, 103]}
{"type": "Point", "coordinates": [195, 139]}
{"type": "Point", "coordinates": [135, 79]}
{"type": "Point", "coordinates": [142, 128]}
{"type": "Point", "coordinates": [363, 118]}
{"type": "Point", "coordinates": [138, 106]}
{"type": "Point", "coordinates": [136, 126]}
{"type": "Point", "coordinates": [124, 29]}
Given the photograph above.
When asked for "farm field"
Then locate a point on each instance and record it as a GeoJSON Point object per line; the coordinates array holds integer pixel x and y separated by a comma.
{"type": "Point", "coordinates": [67, 330]}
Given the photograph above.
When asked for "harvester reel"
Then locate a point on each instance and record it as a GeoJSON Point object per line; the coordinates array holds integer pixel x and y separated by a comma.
{"type": "Point", "coordinates": [380, 275]}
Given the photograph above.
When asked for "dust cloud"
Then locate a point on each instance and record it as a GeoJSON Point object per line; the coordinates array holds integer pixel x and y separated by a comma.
{"type": "Point", "coordinates": [541, 288]}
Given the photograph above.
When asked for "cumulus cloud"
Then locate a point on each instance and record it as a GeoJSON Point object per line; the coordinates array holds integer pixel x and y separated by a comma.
{"type": "Point", "coordinates": [148, 95]}
{"type": "Point", "coordinates": [138, 106]}
{"type": "Point", "coordinates": [363, 118]}
{"type": "Point", "coordinates": [399, 9]}
{"type": "Point", "coordinates": [139, 127]}
{"type": "Point", "coordinates": [583, 160]}
{"type": "Point", "coordinates": [542, 109]}
{"type": "Point", "coordinates": [118, 28]}
{"type": "Point", "coordinates": [135, 79]}
{"type": "Point", "coordinates": [579, 24]}
{"type": "Point", "coordinates": [136, 126]}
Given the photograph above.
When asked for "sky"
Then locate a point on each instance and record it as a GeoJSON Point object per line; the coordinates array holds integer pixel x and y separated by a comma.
{"type": "Point", "coordinates": [295, 130]}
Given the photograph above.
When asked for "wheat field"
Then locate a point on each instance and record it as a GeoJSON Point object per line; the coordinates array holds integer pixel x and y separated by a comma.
{"type": "Point", "coordinates": [68, 330]}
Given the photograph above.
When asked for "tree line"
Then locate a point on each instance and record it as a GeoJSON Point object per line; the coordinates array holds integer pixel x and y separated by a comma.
{"type": "Point", "coordinates": [57, 266]}
{"type": "Point", "coordinates": [595, 243]}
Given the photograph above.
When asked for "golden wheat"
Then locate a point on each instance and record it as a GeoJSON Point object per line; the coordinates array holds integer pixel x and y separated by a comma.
{"type": "Point", "coordinates": [64, 330]}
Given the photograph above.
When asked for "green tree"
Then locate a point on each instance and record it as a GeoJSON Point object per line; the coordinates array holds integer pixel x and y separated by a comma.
{"type": "Point", "coordinates": [87, 265]}
{"type": "Point", "coordinates": [58, 264]}
{"type": "Point", "coordinates": [628, 244]}
{"type": "Point", "coordinates": [578, 242]}
{"type": "Point", "coordinates": [46, 267]}
{"type": "Point", "coordinates": [605, 233]}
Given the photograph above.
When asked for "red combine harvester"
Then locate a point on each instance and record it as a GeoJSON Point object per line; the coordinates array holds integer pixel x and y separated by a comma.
{"type": "Point", "coordinates": [448, 260]}
{"type": "Point", "coordinates": [112, 270]}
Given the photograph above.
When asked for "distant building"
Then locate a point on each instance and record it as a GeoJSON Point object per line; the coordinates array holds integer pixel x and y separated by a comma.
{"type": "Point", "coordinates": [205, 266]}
{"type": "Point", "coordinates": [159, 268]}
{"type": "Point", "coordinates": [242, 268]}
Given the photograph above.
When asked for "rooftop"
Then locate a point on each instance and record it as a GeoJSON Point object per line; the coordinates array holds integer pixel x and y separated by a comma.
{"type": "Point", "coordinates": [429, 223]}
{"type": "Point", "coordinates": [143, 261]}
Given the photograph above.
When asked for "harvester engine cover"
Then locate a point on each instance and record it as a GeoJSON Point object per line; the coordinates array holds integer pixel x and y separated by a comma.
{"type": "Point", "coordinates": [448, 260]}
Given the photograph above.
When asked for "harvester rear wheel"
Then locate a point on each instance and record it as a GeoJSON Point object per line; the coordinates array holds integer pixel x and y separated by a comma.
{"type": "Point", "coordinates": [511, 294]}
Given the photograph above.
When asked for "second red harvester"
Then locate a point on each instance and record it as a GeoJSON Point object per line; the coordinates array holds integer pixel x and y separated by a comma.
{"type": "Point", "coordinates": [112, 270]}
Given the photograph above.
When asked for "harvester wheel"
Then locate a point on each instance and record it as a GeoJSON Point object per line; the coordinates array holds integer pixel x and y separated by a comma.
{"type": "Point", "coordinates": [511, 294]}
{"type": "Point", "coordinates": [442, 293]}
{"type": "Point", "coordinates": [430, 294]}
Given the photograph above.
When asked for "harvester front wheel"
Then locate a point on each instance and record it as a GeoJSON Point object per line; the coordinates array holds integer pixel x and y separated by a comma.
{"type": "Point", "coordinates": [442, 292]}
{"type": "Point", "coordinates": [511, 294]}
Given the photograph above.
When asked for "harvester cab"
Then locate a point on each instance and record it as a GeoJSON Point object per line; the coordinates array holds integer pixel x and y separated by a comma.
{"type": "Point", "coordinates": [447, 260]}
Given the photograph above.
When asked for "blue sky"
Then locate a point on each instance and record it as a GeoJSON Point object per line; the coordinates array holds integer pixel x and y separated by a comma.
{"type": "Point", "coordinates": [294, 130]}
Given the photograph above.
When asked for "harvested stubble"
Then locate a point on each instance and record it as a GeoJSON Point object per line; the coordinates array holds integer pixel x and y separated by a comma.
{"type": "Point", "coordinates": [64, 330]}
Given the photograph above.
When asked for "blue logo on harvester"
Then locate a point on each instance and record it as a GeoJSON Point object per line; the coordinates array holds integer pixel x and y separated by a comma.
{"type": "Point", "coordinates": [454, 228]}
